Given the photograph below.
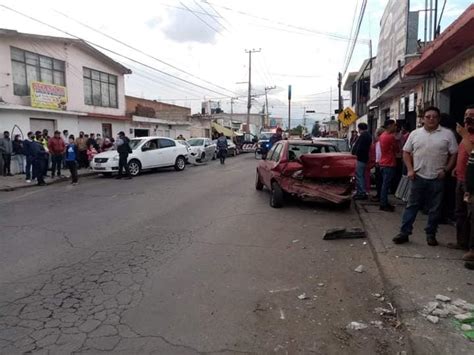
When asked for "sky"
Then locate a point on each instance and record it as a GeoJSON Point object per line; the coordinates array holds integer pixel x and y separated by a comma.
{"type": "Point", "coordinates": [195, 50]}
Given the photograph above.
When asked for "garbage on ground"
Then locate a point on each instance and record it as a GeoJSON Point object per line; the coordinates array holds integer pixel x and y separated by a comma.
{"type": "Point", "coordinates": [377, 323]}
{"type": "Point", "coordinates": [320, 284]}
{"type": "Point", "coordinates": [460, 310]}
{"type": "Point", "coordinates": [356, 326]}
{"type": "Point", "coordinates": [296, 241]}
{"type": "Point", "coordinates": [359, 269]}
{"type": "Point", "coordinates": [344, 233]}
{"type": "Point", "coordinates": [303, 296]}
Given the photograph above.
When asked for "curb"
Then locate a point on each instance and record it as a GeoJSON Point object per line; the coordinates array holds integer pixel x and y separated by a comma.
{"type": "Point", "coordinates": [55, 181]}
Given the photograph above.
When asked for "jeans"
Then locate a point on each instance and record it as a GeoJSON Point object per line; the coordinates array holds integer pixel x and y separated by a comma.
{"type": "Point", "coordinates": [72, 166]}
{"type": "Point", "coordinates": [38, 169]}
{"type": "Point", "coordinates": [360, 177]}
{"type": "Point", "coordinates": [123, 164]}
{"type": "Point", "coordinates": [378, 180]}
{"type": "Point", "coordinates": [422, 189]}
{"type": "Point", "coordinates": [56, 161]}
{"type": "Point", "coordinates": [463, 223]}
{"type": "Point", "coordinates": [6, 163]}
{"type": "Point", "coordinates": [29, 164]}
{"type": "Point", "coordinates": [20, 161]}
{"type": "Point", "coordinates": [387, 175]}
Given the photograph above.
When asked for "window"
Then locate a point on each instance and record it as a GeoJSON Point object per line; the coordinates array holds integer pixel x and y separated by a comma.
{"type": "Point", "coordinates": [100, 89]}
{"type": "Point", "coordinates": [270, 153]}
{"type": "Point", "coordinates": [166, 143]}
{"type": "Point", "coordinates": [150, 145]}
{"type": "Point", "coordinates": [276, 153]}
{"type": "Point", "coordinates": [295, 151]}
{"type": "Point", "coordinates": [28, 67]}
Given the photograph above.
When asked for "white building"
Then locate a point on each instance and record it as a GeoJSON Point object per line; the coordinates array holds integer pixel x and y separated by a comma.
{"type": "Point", "coordinates": [59, 83]}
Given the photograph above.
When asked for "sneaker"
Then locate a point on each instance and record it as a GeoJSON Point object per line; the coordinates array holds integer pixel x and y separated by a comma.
{"type": "Point", "coordinates": [400, 239]}
{"type": "Point", "coordinates": [41, 184]}
{"type": "Point", "coordinates": [74, 183]}
{"type": "Point", "coordinates": [387, 208]}
{"type": "Point", "coordinates": [431, 240]}
{"type": "Point", "coordinates": [28, 181]}
{"type": "Point", "coordinates": [469, 256]}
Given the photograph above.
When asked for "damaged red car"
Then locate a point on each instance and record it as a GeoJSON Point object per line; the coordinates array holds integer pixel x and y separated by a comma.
{"type": "Point", "coordinates": [307, 170]}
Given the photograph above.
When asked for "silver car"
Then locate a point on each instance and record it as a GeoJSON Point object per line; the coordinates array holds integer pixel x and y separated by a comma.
{"type": "Point", "coordinates": [202, 149]}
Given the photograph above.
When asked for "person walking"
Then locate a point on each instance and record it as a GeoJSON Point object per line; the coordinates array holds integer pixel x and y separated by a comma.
{"type": "Point", "coordinates": [464, 231]}
{"type": "Point", "coordinates": [388, 162]}
{"type": "Point", "coordinates": [71, 159]}
{"type": "Point", "coordinates": [469, 199]}
{"type": "Point", "coordinates": [429, 153]}
{"type": "Point", "coordinates": [56, 148]}
{"type": "Point", "coordinates": [361, 149]}
{"type": "Point", "coordinates": [6, 149]}
{"type": "Point", "coordinates": [19, 154]}
{"type": "Point", "coordinates": [222, 146]}
{"type": "Point", "coordinates": [28, 150]}
{"type": "Point", "coordinates": [39, 160]}
{"type": "Point", "coordinates": [123, 148]}
{"type": "Point", "coordinates": [81, 143]}
{"type": "Point", "coordinates": [378, 155]}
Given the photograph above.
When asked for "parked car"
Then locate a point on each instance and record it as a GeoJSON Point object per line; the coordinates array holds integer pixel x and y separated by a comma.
{"type": "Point", "coordinates": [307, 170]}
{"type": "Point", "coordinates": [232, 150]}
{"type": "Point", "coordinates": [188, 147]}
{"type": "Point", "coordinates": [147, 153]}
{"type": "Point", "coordinates": [341, 144]}
{"type": "Point", "coordinates": [202, 149]}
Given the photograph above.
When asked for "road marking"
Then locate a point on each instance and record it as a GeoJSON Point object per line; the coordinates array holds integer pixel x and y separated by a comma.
{"type": "Point", "coordinates": [283, 290]}
{"type": "Point", "coordinates": [282, 315]}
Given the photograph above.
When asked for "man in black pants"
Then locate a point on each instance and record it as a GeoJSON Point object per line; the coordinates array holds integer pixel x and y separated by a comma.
{"type": "Point", "coordinates": [123, 148]}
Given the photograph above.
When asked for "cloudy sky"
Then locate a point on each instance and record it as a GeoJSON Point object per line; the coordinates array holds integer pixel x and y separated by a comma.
{"type": "Point", "coordinates": [201, 45]}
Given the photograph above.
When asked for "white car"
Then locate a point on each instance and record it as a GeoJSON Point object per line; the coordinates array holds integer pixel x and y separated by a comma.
{"type": "Point", "coordinates": [232, 150]}
{"type": "Point", "coordinates": [202, 149]}
{"type": "Point", "coordinates": [147, 153]}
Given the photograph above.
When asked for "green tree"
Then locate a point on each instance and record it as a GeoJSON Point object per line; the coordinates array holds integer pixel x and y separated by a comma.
{"type": "Point", "coordinates": [297, 131]}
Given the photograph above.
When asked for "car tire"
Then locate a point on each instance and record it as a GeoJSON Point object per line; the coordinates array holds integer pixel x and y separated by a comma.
{"type": "Point", "coordinates": [135, 167]}
{"type": "Point", "coordinates": [180, 163]}
{"type": "Point", "coordinates": [214, 156]}
{"type": "Point", "coordinates": [258, 182]}
{"type": "Point", "coordinates": [276, 196]}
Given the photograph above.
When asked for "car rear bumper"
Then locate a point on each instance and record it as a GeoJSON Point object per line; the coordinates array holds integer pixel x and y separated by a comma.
{"type": "Point", "coordinates": [334, 193]}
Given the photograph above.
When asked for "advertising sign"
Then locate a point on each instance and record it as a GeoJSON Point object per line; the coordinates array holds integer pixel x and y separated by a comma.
{"type": "Point", "coordinates": [48, 96]}
{"type": "Point", "coordinates": [392, 41]}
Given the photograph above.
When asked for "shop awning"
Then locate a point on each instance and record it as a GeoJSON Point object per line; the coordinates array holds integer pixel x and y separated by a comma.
{"type": "Point", "coordinates": [221, 129]}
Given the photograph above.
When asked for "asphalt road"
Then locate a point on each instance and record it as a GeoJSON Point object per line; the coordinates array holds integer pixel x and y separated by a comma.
{"type": "Point", "coordinates": [183, 262]}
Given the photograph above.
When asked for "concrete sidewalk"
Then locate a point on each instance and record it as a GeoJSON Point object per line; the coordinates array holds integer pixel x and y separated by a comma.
{"type": "Point", "coordinates": [415, 273]}
{"type": "Point", "coordinates": [10, 183]}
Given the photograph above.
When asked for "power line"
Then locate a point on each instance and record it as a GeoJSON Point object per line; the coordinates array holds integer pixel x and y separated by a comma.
{"type": "Point", "coordinates": [352, 30]}
{"type": "Point", "coordinates": [217, 12]}
{"type": "Point", "coordinates": [111, 51]}
{"type": "Point", "coordinates": [359, 23]}
{"type": "Point", "coordinates": [141, 52]}
{"type": "Point", "coordinates": [212, 17]}
{"type": "Point", "coordinates": [199, 17]}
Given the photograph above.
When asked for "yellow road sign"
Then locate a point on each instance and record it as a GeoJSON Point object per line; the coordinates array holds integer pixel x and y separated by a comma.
{"type": "Point", "coordinates": [347, 116]}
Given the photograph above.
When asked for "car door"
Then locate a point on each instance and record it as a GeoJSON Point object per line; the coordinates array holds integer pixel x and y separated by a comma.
{"type": "Point", "coordinates": [209, 148]}
{"type": "Point", "coordinates": [273, 157]}
{"type": "Point", "coordinates": [168, 151]}
{"type": "Point", "coordinates": [149, 154]}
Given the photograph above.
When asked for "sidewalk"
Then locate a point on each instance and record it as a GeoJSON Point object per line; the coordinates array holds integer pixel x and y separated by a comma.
{"type": "Point", "coordinates": [415, 273]}
{"type": "Point", "coordinates": [11, 183]}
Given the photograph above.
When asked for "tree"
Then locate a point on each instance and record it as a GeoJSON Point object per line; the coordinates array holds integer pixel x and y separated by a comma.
{"type": "Point", "coordinates": [315, 132]}
{"type": "Point", "coordinates": [297, 131]}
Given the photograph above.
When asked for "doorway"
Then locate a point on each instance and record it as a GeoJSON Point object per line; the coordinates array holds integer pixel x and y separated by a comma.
{"type": "Point", "coordinates": [107, 130]}
{"type": "Point", "coordinates": [140, 132]}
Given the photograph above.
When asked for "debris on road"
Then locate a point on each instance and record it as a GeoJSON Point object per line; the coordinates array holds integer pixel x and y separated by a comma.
{"type": "Point", "coordinates": [356, 326]}
{"type": "Point", "coordinates": [433, 319]}
{"type": "Point", "coordinates": [344, 233]}
{"type": "Point", "coordinates": [303, 296]}
{"type": "Point", "coordinates": [320, 284]}
{"type": "Point", "coordinates": [464, 317]}
{"type": "Point", "coordinates": [466, 327]}
{"type": "Point", "coordinates": [377, 323]}
{"type": "Point", "coordinates": [418, 256]}
{"type": "Point", "coordinates": [359, 269]}
{"type": "Point", "coordinates": [295, 241]}
{"type": "Point", "coordinates": [443, 298]}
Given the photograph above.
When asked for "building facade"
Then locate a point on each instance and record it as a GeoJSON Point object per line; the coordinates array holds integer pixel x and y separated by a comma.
{"type": "Point", "coordinates": [59, 83]}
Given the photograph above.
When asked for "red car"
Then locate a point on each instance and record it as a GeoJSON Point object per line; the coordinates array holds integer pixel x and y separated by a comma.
{"type": "Point", "coordinates": [307, 170]}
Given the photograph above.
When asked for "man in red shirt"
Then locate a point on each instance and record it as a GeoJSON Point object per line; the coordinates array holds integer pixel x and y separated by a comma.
{"type": "Point", "coordinates": [388, 162]}
{"type": "Point", "coordinates": [463, 224]}
{"type": "Point", "coordinates": [56, 148]}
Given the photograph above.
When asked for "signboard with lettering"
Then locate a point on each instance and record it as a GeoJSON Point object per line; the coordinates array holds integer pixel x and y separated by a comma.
{"type": "Point", "coordinates": [48, 96]}
{"type": "Point", "coordinates": [347, 116]}
{"type": "Point", "coordinates": [392, 41]}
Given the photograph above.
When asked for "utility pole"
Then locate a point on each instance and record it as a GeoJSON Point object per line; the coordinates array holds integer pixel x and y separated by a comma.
{"type": "Point", "coordinates": [304, 117]}
{"type": "Point", "coordinates": [289, 109]}
{"type": "Point", "coordinates": [249, 98]}
{"type": "Point", "coordinates": [339, 85]}
{"type": "Point", "coordinates": [267, 116]}
{"type": "Point", "coordinates": [330, 102]}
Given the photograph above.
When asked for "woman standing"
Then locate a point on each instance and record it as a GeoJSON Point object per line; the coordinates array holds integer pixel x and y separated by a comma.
{"type": "Point", "coordinates": [19, 154]}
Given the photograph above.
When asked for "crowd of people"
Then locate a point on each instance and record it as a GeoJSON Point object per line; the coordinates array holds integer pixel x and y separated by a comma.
{"type": "Point", "coordinates": [39, 154]}
{"type": "Point", "coordinates": [430, 155]}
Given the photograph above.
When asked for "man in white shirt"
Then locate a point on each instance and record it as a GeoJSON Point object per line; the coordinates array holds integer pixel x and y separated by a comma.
{"type": "Point", "coordinates": [429, 153]}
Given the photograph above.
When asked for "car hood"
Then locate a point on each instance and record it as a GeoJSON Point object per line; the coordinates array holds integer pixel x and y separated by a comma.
{"type": "Point", "coordinates": [196, 148]}
{"type": "Point", "coordinates": [107, 154]}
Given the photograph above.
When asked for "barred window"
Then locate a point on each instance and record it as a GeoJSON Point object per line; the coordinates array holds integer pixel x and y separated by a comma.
{"type": "Point", "coordinates": [100, 89]}
{"type": "Point", "coordinates": [28, 67]}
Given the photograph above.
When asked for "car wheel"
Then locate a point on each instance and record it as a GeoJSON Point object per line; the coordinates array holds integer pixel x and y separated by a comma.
{"type": "Point", "coordinates": [134, 167]}
{"type": "Point", "coordinates": [180, 164]}
{"type": "Point", "coordinates": [276, 197]}
{"type": "Point", "coordinates": [214, 156]}
{"type": "Point", "coordinates": [258, 183]}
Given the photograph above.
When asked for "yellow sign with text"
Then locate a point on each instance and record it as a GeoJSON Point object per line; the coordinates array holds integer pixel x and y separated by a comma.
{"type": "Point", "coordinates": [347, 116]}
{"type": "Point", "coordinates": [48, 96]}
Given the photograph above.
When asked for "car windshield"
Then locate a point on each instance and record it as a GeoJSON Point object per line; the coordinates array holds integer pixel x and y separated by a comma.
{"type": "Point", "coordinates": [265, 136]}
{"type": "Point", "coordinates": [134, 143]}
{"type": "Point", "coordinates": [341, 144]}
{"type": "Point", "coordinates": [295, 151]}
{"type": "Point", "coordinates": [196, 142]}
{"type": "Point", "coordinates": [186, 144]}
